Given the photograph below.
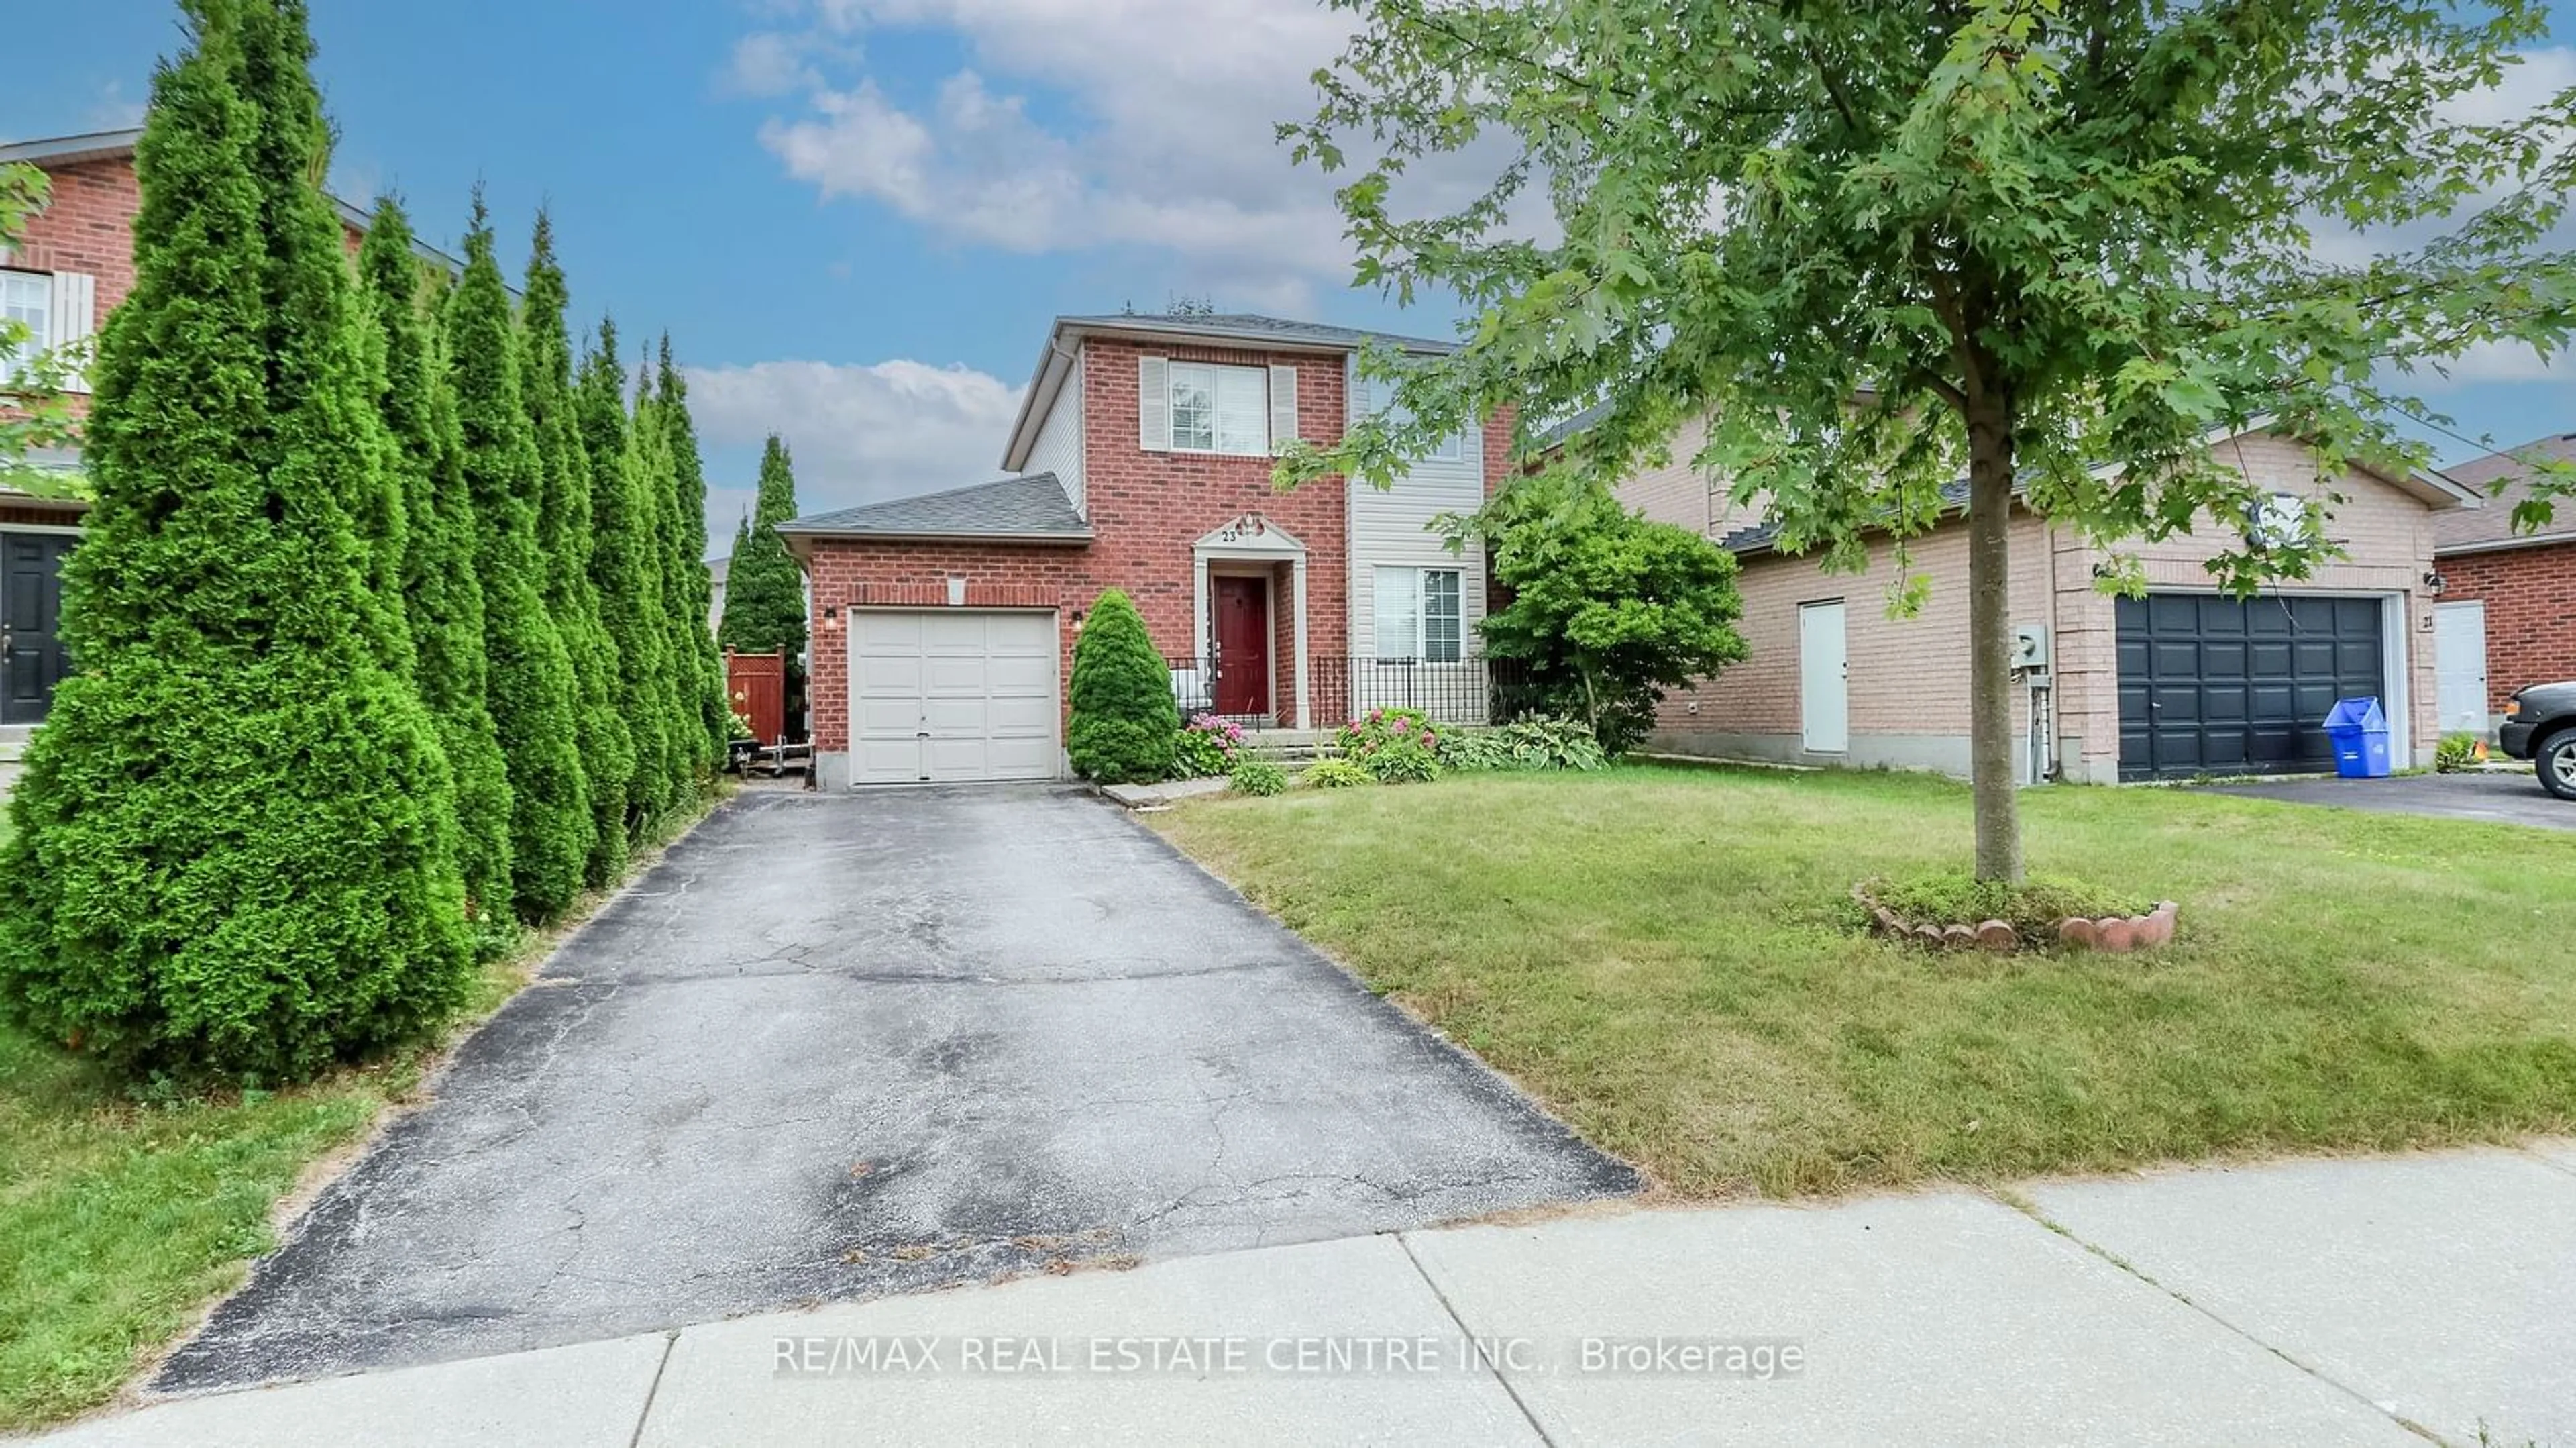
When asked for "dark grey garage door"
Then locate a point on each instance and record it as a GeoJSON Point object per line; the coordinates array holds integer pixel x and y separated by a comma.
{"type": "Point", "coordinates": [2211, 685]}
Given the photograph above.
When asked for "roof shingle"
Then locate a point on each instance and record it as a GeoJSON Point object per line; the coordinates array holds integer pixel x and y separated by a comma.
{"type": "Point", "coordinates": [1030, 505]}
{"type": "Point", "coordinates": [1246, 326]}
{"type": "Point", "coordinates": [2492, 525]}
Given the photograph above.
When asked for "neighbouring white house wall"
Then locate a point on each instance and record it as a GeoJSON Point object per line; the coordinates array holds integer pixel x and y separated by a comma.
{"type": "Point", "coordinates": [1058, 449]}
{"type": "Point", "coordinates": [1392, 526]}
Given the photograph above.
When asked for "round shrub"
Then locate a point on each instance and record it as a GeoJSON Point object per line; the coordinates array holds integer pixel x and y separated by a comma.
{"type": "Point", "coordinates": [1206, 747]}
{"type": "Point", "coordinates": [1402, 760]}
{"type": "Point", "coordinates": [1378, 728]}
{"type": "Point", "coordinates": [1476, 751]}
{"type": "Point", "coordinates": [1259, 777]}
{"type": "Point", "coordinates": [1337, 774]}
{"type": "Point", "coordinates": [1542, 742]}
{"type": "Point", "coordinates": [1124, 722]}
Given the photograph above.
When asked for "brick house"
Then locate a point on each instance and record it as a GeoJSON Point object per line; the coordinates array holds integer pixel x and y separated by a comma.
{"type": "Point", "coordinates": [75, 265]}
{"type": "Point", "coordinates": [2508, 609]}
{"type": "Point", "coordinates": [2181, 682]}
{"type": "Point", "coordinates": [1141, 460]}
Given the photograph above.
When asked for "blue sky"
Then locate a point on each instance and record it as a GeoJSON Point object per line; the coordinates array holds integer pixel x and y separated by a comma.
{"type": "Point", "coordinates": [856, 216]}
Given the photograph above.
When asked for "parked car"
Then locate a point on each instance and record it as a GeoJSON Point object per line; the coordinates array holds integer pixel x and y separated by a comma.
{"type": "Point", "coordinates": [2541, 727]}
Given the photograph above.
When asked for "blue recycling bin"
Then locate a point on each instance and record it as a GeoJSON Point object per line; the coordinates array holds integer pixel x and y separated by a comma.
{"type": "Point", "coordinates": [2359, 729]}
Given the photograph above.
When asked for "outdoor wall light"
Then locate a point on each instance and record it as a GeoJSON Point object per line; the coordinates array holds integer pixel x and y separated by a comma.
{"type": "Point", "coordinates": [2435, 583]}
{"type": "Point", "coordinates": [1077, 623]}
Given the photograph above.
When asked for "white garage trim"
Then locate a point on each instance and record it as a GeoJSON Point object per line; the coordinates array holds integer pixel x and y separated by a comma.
{"type": "Point", "coordinates": [955, 695]}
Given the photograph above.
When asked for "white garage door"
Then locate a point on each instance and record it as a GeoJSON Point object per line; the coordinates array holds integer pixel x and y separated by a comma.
{"type": "Point", "coordinates": [947, 696]}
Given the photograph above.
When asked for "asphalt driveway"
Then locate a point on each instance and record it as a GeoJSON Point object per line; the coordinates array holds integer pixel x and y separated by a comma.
{"type": "Point", "coordinates": [839, 1046]}
{"type": "Point", "coordinates": [2493, 796]}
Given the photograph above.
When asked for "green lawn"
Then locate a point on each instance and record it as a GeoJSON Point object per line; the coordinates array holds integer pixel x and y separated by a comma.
{"type": "Point", "coordinates": [122, 1217]}
{"type": "Point", "coordinates": [120, 1220]}
{"type": "Point", "coordinates": [1663, 957]}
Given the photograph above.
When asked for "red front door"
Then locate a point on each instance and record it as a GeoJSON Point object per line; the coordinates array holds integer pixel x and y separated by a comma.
{"type": "Point", "coordinates": [1242, 645]}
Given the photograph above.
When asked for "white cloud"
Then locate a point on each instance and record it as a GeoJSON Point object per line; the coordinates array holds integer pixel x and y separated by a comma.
{"type": "Point", "coordinates": [769, 63]}
{"type": "Point", "coordinates": [1169, 143]}
{"type": "Point", "coordinates": [2490, 362]}
{"type": "Point", "coordinates": [859, 433]}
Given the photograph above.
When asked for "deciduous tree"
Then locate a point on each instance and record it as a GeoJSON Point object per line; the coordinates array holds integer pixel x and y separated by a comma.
{"type": "Point", "coordinates": [2053, 247]}
{"type": "Point", "coordinates": [1608, 610]}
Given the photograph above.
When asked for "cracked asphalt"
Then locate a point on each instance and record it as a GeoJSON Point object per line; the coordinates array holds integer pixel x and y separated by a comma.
{"type": "Point", "coordinates": [838, 1046]}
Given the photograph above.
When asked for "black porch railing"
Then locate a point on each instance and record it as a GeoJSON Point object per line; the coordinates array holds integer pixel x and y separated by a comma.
{"type": "Point", "coordinates": [1346, 687]}
{"type": "Point", "coordinates": [1459, 691]}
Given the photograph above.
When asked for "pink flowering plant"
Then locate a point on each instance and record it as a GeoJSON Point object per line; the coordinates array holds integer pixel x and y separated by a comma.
{"type": "Point", "coordinates": [1394, 745]}
{"type": "Point", "coordinates": [1208, 746]}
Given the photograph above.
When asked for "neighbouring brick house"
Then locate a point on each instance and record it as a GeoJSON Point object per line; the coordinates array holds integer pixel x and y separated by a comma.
{"type": "Point", "coordinates": [2181, 682]}
{"type": "Point", "coordinates": [2508, 609]}
{"type": "Point", "coordinates": [1141, 460]}
{"type": "Point", "coordinates": [74, 266]}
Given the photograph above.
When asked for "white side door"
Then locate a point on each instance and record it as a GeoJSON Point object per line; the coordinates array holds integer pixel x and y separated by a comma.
{"type": "Point", "coordinates": [1824, 688]}
{"type": "Point", "coordinates": [2460, 665]}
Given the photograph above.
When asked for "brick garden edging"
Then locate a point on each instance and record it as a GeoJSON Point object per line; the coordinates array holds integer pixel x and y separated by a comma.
{"type": "Point", "coordinates": [2116, 934]}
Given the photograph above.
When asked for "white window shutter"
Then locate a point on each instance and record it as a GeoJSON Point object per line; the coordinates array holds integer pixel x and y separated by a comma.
{"type": "Point", "coordinates": [1283, 408]}
{"type": "Point", "coordinates": [75, 307]}
{"type": "Point", "coordinates": [1154, 404]}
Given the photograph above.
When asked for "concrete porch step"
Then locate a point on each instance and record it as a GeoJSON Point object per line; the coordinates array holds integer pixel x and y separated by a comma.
{"type": "Point", "coordinates": [1291, 744]}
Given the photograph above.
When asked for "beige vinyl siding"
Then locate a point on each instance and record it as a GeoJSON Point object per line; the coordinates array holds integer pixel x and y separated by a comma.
{"type": "Point", "coordinates": [1058, 448]}
{"type": "Point", "coordinates": [1391, 527]}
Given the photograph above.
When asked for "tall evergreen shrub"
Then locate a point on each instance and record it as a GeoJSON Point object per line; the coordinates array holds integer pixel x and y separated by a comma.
{"type": "Point", "coordinates": [442, 596]}
{"type": "Point", "coordinates": [699, 666]}
{"type": "Point", "coordinates": [235, 851]}
{"type": "Point", "coordinates": [530, 687]}
{"type": "Point", "coordinates": [764, 607]}
{"type": "Point", "coordinates": [623, 569]}
{"type": "Point", "coordinates": [564, 535]}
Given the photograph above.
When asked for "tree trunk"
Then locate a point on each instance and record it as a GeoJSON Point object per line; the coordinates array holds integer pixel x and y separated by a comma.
{"type": "Point", "coordinates": [1990, 690]}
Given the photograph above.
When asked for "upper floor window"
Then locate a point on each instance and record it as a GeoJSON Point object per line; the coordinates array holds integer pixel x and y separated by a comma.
{"type": "Point", "coordinates": [1220, 409]}
{"type": "Point", "coordinates": [26, 298]}
{"type": "Point", "coordinates": [1450, 449]}
{"type": "Point", "coordinates": [1418, 615]}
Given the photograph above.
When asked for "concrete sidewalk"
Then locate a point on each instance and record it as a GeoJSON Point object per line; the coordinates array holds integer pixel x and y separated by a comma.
{"type": "Point", "coordinates": [2311, 1302]}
